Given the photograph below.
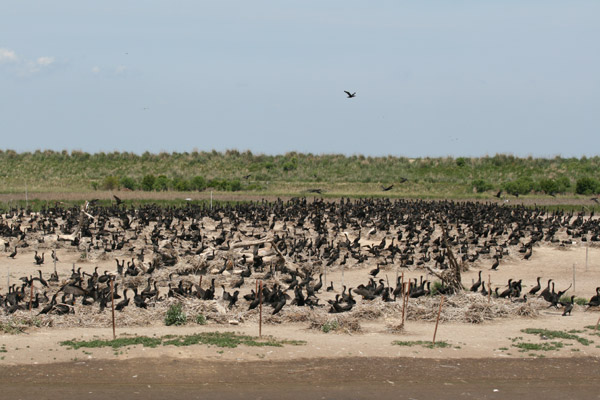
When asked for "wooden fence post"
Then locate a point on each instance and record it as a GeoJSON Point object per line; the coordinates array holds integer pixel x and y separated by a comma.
{"type": "Point", "coordinates": [437, 321]}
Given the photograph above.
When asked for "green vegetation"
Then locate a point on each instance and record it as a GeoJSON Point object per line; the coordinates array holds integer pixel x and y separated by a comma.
{"type": "Point", "coordinates": [329, 326]}
{"type": "Point", "coordinates": [423, 343]}
{"type": "Point", "coordinates": [115, 344]}
{"type": "Point", "coordinates": [549, 334]}
{"type": "Point", "coordinates": [201, 319]}
{"type": "Point", "coordinates": [547, 346]}
{"type": "Point", "coordinates": [219, 339]}
{"type": "Point", "coordinates": [76, 171]}
{"type": "Point", "coordinates": [577, 300]}
{"type": "Point", "coordinates": [175, 315]}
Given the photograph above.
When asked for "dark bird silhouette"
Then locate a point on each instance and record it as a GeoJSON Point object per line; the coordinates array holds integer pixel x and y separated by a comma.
{"type": "Point", "coordinates": [496, 263]}
{"type": "Point", "coordinates": [499, 193]}
{"type": "Point", "coordinates": [476, 285]}
{"type": "Point", "coordinates": [387, 188]}
{"type": "Point", "coordinates": [38, 260]}
{"type": "Point", "coordinates": [13, 254]}
{"type": "Point", "coordinates": [318, 191]}
{"type": "Point", "coordinates": [375, 271]}
{"type": "Point", "coordinates": [350, 95]}
{"type": "Point", "coordinates": [536, 288]}
{"type": "Point", "coordinates": [568, 307]}
{"type": "Point", "coordinates": [118, 200]}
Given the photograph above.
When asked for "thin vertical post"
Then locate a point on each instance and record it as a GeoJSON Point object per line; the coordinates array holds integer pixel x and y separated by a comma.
{"type": "Point", "coordinates": [112, 301]}
{"type": "Point", "coordinates": [574, 288]}
{"type": "Point", "coordinates": [260, 310]}
{"type": "Point", "coordinates": [489, 288]}
{"type": "Point", "coordinates": [437, 321]}
{"type": "Point", "coordinates": [211, 199]}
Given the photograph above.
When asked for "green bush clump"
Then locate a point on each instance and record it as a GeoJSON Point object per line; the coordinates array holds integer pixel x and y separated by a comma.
{"type": "Point", "coordinates": [148, 182]}
{"type": "Point", "coordinates": [519, 186]}
{"type": "Point", "coordinates": [175, 315]}
{"type": "Point", "coordinates": [481, 185]}
{"type": "Point", "coordinates": [128, 183]}
{"type": "Point", "coordinates": [181, 185]}
{"type": "Point", "coordinates": [161, 183]}
{"type": "Point", "coordinates": [587, 185]}
{"type": "Point", "coordinates": [330, 326]}
{"type": "Point", "coordinates": [198, 183]}
{"type": "Point", "coordinates": [110, 183]}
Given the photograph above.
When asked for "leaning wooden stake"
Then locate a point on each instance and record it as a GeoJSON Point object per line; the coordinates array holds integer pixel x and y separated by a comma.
{"type": "Point", "coordinates": [112, 301]}
{"type": "Point", "coordinates": [437, 321]}
{"type": "Point", "coordinates": [260, 310]}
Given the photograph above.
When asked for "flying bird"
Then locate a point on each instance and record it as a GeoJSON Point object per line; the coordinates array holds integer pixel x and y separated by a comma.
{"type": "Point", "coordinates": [385, 189]}
{"type": "Point", "coordinates": [118, 200]}
{"type": "Point", "coordinates": [350, 95]}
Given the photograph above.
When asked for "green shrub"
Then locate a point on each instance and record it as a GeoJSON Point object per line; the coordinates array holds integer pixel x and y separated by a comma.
{"type": "Point", "coordinates": [461, 162]}
{"type": "Point", "coordinates": [198, 183]}
{"type": "Point", "coordinates": [520, 186]}
{"type": "Point", "coordinates": [330, 326]}
{"type": "Point", "coordinates": [128, 183]}
{"type": "Point", "coordinates": [201, 319]}
{"type": "Point", "coordinates": [181, 185]}
{"type": "Point", "coordinates": [587, 186]}
{"type": "Point", "coordinates": [148, 182]}
{"type": "Point", "coordinates": [481, 185]}
{"type": "Point", "coordinates": [161, 183]}
{"type": "Point", "coordinates": [564, 184]}
{"type": "Point", "coordinates": [110, 183]}
{"type": "Point", "coordinates": [175, 315]}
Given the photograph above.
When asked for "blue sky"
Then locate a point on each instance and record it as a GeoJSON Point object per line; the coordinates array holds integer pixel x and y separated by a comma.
{"type": "Point", "coordinates": [433, 78]}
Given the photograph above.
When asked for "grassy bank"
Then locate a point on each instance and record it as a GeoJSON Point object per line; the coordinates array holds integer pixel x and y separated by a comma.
{"type": "Point", "coordinates": [294, 173]}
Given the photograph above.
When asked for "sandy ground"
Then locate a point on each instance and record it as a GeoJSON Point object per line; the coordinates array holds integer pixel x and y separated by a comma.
{"type": "Point", "coordinates": [488, 340]}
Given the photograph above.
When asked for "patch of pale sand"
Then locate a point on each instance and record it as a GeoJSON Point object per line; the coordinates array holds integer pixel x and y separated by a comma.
{"type": "Point", "coordinates": [468, 341]}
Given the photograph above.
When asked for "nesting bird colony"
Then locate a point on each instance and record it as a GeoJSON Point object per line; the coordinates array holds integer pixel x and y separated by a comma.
{"type": "Point", "coordinates": [360, 259]}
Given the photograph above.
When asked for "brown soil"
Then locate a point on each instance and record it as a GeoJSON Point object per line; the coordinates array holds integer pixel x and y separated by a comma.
{"type": "Point", "coordinates": [355, 378]}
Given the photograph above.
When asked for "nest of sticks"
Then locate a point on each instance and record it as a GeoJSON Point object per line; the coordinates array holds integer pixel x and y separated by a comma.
{"type": "Point", "coordinates": [464, 307]}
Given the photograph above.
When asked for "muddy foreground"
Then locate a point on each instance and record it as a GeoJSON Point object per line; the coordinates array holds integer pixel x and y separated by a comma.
{"type": "Point", "coordinates": [350, 378]}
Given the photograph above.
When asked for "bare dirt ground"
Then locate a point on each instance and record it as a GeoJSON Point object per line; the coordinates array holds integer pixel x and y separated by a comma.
{"type": "Point", "coordinates": [322, 378]}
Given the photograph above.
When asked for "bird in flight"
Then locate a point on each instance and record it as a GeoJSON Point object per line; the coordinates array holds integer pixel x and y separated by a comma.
{"type": "Point", "coordinates": [387, 188]}
{"type": "Point", "coordinates": [350, 95]}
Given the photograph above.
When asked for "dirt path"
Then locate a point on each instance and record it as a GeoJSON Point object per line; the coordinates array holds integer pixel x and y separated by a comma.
{"type": "Point", "coordinates": [355, 378]}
